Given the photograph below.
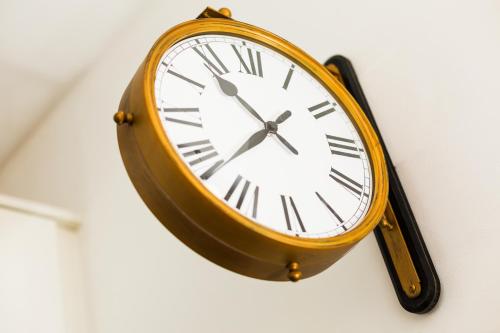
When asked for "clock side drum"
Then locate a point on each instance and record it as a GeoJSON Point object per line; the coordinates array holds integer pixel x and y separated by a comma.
{"type": "Point", "coordinates": [194, 215]}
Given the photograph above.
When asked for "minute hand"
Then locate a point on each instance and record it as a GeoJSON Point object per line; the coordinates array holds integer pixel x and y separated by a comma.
{"type": "Point", "coordinates": [253, 141]}
{"type": "Point", "coordinates": [231, 90]}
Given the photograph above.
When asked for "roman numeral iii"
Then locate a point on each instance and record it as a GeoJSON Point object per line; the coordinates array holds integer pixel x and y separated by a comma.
{"type": "Point", "coordinates": [290, 208]}
{"type": "Point", "coordinates": [322, 109]}
{"type": "Point", "coordinates": [252, 199]}
{"type": "Point", "coordinates": [344, 147]}
{"type": "Point", "coordinates": [253, 65]}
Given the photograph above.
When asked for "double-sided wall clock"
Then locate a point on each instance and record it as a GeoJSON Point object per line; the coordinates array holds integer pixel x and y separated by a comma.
{"type": "Point", "coordinates": [255, 155]}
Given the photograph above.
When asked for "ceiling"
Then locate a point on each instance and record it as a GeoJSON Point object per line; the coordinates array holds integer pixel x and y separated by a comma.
{"type": "Point", "coordinates": [45, 46]}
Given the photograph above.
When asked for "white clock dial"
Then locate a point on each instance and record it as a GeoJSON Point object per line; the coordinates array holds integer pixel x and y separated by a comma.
{"type": "Point", "coordinates": [263, 135]}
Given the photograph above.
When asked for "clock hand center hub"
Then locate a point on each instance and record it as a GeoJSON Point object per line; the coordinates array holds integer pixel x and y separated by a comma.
{"type": "Point", "coordinates": [271, 126]}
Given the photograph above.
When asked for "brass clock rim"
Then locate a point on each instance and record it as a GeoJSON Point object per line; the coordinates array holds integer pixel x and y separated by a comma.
{"type": "Point", "coordinates": [223, 26]}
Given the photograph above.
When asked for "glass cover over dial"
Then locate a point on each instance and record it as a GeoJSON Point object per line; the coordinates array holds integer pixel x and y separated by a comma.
{"type": "Point", "coordinates": [263, 135]}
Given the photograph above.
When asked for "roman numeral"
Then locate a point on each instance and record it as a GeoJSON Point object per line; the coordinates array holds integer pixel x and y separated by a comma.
{"type": "Point", "coordinates": [197, 151]}
{"type": "Point", "coordinates": [343, 146]}
{"type": "Point", "coordinates": [337, 216]}
{"type": "Point", "coordinates": [181, 111]}
{"type": "Point", "coordinates": [184, 122]}
{"type": "Point", "coordinates": [254, 66]}
{"type": "Point", "coordinates": [348, 183]}
{"type": "Point", "coordinates": [200, 50]}
{"type": "Point", "coordinates": [286, 211]}
{"type": "Point", "coordinates": [288, 77]}
{"type": "Point", "coordinates": [188, 80]}
{"type": "Point", "coordinates": [210, 171]}
{"type": "Point", "coordinates": [243, 194]}
{"type": "Point", "coordinates": [322, 109]}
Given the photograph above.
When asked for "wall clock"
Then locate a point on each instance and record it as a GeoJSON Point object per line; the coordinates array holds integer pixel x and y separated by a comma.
{"type": "Point", "coordinates": [249, 151]}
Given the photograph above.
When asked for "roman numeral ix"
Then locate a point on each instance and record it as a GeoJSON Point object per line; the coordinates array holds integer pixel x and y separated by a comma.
{"type": "Point", "coordinates": [243, 191]}
{"type": "Point", "coordinates": [254, 64]}
{"type": "Point", "coordinates": [348, 183]}
{"type": "Point", "coordinates": [343, 146]}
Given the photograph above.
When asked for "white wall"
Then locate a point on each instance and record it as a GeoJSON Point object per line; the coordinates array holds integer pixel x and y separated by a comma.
{"type": "Point", "coordinates": [429, 69]}
{"type": "Point", "coordinates": [41, 282]}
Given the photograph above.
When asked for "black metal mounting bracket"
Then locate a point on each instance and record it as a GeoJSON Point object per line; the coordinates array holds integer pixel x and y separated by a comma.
{"type": "Point", "coordinates": [429, 284]}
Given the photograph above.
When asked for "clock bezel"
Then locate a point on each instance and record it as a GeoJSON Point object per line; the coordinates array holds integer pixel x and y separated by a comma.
{"type": "Point", "coordinates": [183, 191]}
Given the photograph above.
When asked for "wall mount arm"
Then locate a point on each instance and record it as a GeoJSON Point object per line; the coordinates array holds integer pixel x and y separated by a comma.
{"type": "Point", "coordinates": [408, 262]}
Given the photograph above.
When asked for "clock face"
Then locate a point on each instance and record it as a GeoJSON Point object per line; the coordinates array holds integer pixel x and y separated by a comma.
{"type": "Point", "coordinates": [263, 135]}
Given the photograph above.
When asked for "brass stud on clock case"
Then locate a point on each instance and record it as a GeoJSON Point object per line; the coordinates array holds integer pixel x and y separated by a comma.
{"type": "Point", "coordinates": [225, 11]}
{"type": "Point", "coordinates": [294, 274]}
{"type": "Point", "coordinates": [121, 118]}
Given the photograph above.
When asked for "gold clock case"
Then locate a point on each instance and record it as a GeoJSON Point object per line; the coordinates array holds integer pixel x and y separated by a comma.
{"type": "Point", "coordinates": [192, 213]}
